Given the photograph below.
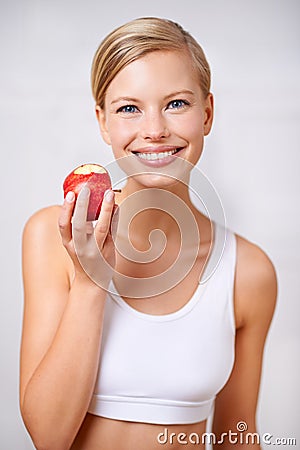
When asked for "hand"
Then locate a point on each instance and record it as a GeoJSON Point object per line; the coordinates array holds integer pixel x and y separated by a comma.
{"type": "Point", "coordinates": [91, 249]}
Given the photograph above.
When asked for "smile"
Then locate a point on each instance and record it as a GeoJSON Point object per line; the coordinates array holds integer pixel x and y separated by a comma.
{"type": "Point", "coordinates": [156, 155]}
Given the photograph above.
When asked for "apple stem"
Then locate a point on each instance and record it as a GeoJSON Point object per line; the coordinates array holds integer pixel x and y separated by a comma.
{"type": "Point", "coordinates": [117, 190]}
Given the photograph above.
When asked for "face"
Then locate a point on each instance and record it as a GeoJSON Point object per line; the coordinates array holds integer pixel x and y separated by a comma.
{"type": "Point", "coordinates": [155, 113]}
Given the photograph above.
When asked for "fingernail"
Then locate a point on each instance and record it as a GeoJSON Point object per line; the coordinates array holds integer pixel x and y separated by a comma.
{"type": "Point", "coordinates": [70, 197]}
{"type": "Point", "coordinates": [109, 196]}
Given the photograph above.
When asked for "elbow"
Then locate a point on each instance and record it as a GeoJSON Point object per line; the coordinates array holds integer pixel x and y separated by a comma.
{"type": "Point", "coordinates": [40, 445]}
{"type": "Point", "coordinates": [43, 435]}
{"type": "Point", "coordinates": [47, 442]}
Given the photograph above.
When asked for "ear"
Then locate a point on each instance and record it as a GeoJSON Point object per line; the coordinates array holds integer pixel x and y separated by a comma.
{"type": "Point", "coordinates": [209, 113]}
{"type": "Point", "coordinates": [100, 114]}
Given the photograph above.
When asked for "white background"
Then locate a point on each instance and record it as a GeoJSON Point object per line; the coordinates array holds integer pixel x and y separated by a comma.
{"type": "Point", "coordinates": [252, 156]}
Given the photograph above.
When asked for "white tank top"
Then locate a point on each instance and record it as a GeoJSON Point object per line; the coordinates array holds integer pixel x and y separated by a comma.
{"type": "Point", "coordinates": [167, 369]}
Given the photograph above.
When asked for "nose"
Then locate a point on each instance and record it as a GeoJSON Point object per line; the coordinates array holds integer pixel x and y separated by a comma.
{"type": "Point", "coordinates": [154, 126]}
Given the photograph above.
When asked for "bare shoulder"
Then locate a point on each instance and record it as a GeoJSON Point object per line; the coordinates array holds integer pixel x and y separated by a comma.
{"type": "Point", "coordinates": [255, 284]}
{"type": "Point", "coordinates": [42, 240]}
{"type": "Point", "coordinates": [43, 220]}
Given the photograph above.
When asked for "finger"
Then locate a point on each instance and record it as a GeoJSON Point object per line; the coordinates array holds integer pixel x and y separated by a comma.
{"type": "Point", "coordinates": [103, 225]}
{"type": "Point", "coordinates": [65, 217]}
{"type": "Point", "coordinates": [114, 222]}
{"type": "Point", "coordinates": [89, 228]}
{"type": "Point", "coordinates": [79, 217]}
{"type": "Point", "coordinates": [81, 207]}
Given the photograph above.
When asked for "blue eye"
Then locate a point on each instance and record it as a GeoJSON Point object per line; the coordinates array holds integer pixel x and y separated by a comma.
{"type": "Point", "coordinates": [128, 109]}
{"type": "Point", "coordinates": [177, 104]}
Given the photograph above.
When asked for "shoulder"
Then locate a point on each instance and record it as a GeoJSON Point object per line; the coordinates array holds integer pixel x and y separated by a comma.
{"type": "Point", "coordinates": [42, 240]}
{"type": "Point", "coordinates": [255, 284]}
{"type": "Point", "coordinates": [43, 220]}
{"type": "Point", "coordinates": [42, 228]}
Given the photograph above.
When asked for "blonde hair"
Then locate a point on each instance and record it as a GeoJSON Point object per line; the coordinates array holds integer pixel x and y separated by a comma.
{"type": "Point", "coordinates": [135, 39]}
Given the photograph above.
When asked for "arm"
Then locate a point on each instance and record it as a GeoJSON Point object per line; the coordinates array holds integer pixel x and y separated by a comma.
{"type": "Point", "coordinates": [255, 297]}
{"type": "Point", "coordinates": [61, 329]}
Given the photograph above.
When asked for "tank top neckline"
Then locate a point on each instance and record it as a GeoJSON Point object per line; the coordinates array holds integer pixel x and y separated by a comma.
{"type": "Point", "coordinates": [205, 277]}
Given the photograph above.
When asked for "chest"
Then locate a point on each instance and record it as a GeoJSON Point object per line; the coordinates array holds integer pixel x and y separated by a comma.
{"type": "Point", "coordinates": [163, 285]}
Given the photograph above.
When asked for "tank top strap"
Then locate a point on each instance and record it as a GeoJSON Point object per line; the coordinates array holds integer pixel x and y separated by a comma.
{"type": "Point", "coordinates": [222, 263]}
{"type": "Point", "coordinates": [220, 236]}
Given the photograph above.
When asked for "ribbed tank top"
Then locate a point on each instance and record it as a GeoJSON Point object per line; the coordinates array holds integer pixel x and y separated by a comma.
{"type": "Point", "coordinates": [167, 369]}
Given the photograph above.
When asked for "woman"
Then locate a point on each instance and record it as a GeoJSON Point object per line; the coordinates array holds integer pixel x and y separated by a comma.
{"type": "Point", "coordinates": [109, 360]}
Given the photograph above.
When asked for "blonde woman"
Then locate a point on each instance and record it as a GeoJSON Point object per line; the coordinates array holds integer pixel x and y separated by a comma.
{"type": "Point", "coordinates": [110, 360]}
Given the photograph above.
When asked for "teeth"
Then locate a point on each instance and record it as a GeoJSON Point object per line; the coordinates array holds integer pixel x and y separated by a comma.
{"type": "Point", "coordinates": [154, 156]}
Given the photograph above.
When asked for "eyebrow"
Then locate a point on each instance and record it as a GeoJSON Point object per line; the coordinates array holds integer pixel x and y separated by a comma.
{"type": "Point", "coordinates": [176, 93]}
{"type": "Point", "coordinates": [135, 100]}
{"type": "Point", "coordinates": [124, 99]}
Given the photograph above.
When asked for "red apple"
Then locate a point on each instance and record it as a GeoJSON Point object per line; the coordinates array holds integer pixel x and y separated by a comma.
{"type": "Point", "coordinates": [97, 180]}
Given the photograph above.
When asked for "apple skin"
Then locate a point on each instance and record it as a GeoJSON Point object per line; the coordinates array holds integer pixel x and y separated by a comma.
{"type": "Point", "coordinates": [96, 178]}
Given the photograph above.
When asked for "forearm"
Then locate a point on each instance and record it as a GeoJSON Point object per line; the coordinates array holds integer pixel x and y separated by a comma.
{"type": "Point", "coordinates": [57, 396]}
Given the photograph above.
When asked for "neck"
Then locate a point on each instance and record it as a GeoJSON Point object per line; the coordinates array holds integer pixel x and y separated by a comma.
{"type": "Point", "coordinates": [168, 209]}
{"type": "Point", "coordinates": [149, 208]}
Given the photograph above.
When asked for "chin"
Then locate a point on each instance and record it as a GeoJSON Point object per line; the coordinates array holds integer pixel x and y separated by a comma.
{"type": "Point", "coordinates": [167, 177]}
{"type": "Point", "coordinates": [158, 181]}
